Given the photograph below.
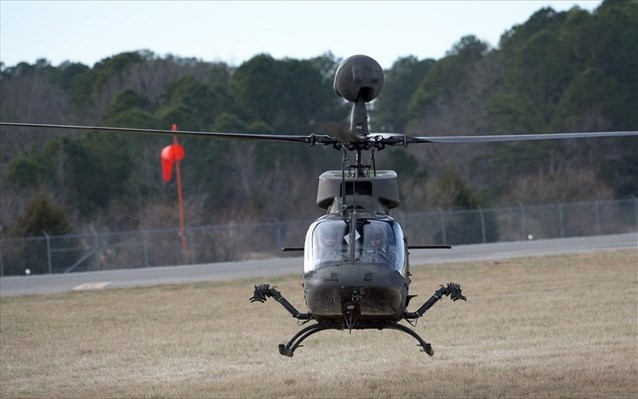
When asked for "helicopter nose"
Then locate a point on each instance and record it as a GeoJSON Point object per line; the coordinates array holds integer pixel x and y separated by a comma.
{"type": "Point", "coordinates": [366, 290]}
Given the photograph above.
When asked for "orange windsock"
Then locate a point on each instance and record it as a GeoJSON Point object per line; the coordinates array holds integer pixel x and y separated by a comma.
{"type": "Point", "coordinates": [170, 154]}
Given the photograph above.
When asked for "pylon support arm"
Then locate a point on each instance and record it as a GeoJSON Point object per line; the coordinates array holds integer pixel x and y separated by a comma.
{"type": "Point", "coordinates": [265, 291]}
{"type": "Point", "coordinates": [453, 290]}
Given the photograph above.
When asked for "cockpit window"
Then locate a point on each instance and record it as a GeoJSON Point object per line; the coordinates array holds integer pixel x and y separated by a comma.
{"type": "Point", "coordinates": [326, 244]}
{"type": "Point", "coordinates": [330, 243]}
{"type": "Point", "coordinates": [378, 243]}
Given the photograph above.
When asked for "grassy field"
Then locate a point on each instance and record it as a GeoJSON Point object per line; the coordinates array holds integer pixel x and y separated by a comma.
{"type": "Point", "coordinates": [564, 326]}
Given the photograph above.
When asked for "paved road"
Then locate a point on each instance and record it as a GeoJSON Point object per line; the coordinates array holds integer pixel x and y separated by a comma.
{"type": "Point", "coordinates": [45, 284]}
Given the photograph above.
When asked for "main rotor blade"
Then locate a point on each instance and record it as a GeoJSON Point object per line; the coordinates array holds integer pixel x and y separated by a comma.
{"type": "Point", "coordinates": [312, 139]}
{"type": "Point", "coordinates": [512, 137]}
{"type": "Point", "coordinates": [308, 139]}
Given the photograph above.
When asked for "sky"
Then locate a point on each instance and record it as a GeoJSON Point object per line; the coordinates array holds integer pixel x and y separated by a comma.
{"type": "Point", "coordinates": [234, 31]}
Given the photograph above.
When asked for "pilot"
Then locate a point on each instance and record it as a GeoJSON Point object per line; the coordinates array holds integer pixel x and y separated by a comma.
{"type": "Point", "coordinates": [330, 244]}
{"type": "Point", "coordinates": [375, 248]}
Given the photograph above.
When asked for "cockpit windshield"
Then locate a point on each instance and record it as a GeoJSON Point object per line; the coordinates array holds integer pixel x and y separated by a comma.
{"type": "Point", "coordinates": [329, 242]}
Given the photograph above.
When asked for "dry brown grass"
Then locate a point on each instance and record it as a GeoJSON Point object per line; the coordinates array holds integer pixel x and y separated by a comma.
{"type": "Point", "coordinates": [538, 327]}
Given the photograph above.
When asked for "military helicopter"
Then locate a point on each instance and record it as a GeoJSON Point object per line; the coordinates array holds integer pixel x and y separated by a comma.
{"type": "Point", "coordinates": [356, 266]}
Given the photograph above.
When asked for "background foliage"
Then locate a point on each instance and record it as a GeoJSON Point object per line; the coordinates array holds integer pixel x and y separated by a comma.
{"type": "Point", "coordinates": [557, 72]}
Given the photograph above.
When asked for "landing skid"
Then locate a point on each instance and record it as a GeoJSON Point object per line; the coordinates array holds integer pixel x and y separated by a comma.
{"type": "Point", "coordinates": [295, 342]}
{"type": "Point", "coordinates": [264, 291]}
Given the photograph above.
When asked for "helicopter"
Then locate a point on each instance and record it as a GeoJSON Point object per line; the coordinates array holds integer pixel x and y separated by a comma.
{"type": "Point", "coordinates": [356, 270]}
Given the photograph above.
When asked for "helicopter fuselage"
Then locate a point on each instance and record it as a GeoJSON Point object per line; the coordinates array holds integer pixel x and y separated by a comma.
{"type": "Point", "coordinates": [355, 257]}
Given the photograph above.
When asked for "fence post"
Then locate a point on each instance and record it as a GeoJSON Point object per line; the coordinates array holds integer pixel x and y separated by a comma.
{"type": "Point", "coordinates": [522, 217]}
{"type": "Point", "coordinates": [192, 255]}
{"type": "Point", "coordinates": [1, 261]}
{"type": "Point", "coordinates": [597, 214]}
{"type": "Point", "coordinates": [46, 236]}
{"type": "Point", "coordinates": [442, 218]}
{"type": "Point", "coordinates": [145, 244]}
{"type": "Point", "coordinates": [482, 224]}
{"type": "Point", "coordinates": [235, 234]}
{"type": "Point", "coordinates": [96, 247]}
{"type": "Point", "coordinates": [561, 220]}
{"type": "Point", "coordinates": [278, 234]}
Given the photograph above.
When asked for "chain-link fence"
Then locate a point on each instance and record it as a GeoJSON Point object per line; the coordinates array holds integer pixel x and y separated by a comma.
{"type": "Point", "coordinates": [240, 241]}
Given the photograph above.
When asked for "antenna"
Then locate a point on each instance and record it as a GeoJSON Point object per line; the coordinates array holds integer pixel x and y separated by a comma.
{"type": "Point", "coordinates": [358, 79]}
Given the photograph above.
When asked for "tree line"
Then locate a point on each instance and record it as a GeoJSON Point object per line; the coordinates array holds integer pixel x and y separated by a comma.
{"type": "Point", "coordinates": [557, 72]}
